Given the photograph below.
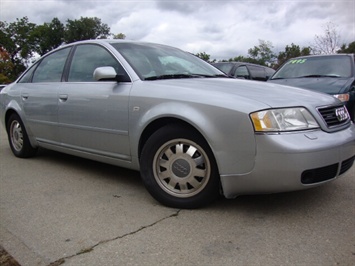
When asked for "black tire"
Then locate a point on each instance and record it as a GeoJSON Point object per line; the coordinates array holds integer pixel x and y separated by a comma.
{"type": "Point", "coordinates": [18, 138]}
{"type": "Point", "coordinates": [178, 168]}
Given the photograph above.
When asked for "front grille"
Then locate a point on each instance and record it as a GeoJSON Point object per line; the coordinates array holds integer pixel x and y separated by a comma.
{"type": "Point", "coordinates": [346, 165]}
{"type": "Point", "coordinates": [331, 118]}
{"type": "Point", "coordinates": [319, 174]}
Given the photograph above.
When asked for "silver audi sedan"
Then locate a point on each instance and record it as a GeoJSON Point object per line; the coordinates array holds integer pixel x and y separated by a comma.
{"type": "Point", "coordinates": [192, 132]}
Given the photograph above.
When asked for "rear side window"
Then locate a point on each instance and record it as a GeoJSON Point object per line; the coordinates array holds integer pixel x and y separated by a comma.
{"type": "Point", "coordinates": [27, 77]}
{"type": "Point", "coordinates": [242, 72]}
{"type": "Point", "coordinates": [50, 68]}
{"type": "Point", "coordinates": [257, 73]}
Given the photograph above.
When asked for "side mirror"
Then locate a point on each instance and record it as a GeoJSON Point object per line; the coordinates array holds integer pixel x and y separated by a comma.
{"type": "Point", "coordinates": [108, 73]}
{"type": "Point", "coordinates": [104, 73]}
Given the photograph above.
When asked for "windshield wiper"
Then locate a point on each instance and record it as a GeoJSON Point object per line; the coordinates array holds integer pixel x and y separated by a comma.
{"type": "Point", "coordinates": [182, 76]}
{"type": "Point", "coordinates": [171, 76]}
{"type": "Point", "coordinates": [320, 76]}
{"type": "Point", "coordinates": [218, 76]}
{"type": "Point", "coordinates": [309, 76]}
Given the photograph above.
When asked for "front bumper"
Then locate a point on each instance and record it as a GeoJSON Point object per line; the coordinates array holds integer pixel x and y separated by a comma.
{"type": "Point", "coordinates": [294, 161]}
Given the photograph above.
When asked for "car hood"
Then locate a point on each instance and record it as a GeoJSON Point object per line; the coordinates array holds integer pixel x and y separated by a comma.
{"type": "Point", "coordinates": [227, 92]}
{"type": "Point", "coordinates": [326, 85]}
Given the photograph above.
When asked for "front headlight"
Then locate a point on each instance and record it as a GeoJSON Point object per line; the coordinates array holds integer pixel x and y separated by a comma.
{"type": "Point", "coordinates": [342, 97]}
{"type": "Point", "coordinates": [287, 119]}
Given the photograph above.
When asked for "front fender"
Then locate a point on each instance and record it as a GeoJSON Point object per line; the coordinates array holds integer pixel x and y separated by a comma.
{"type": "Point", "coordinates": [229, 133]}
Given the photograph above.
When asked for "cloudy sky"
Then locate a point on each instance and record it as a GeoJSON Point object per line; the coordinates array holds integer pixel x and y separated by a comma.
{"type": "Point", "coordinates": [221, 28]}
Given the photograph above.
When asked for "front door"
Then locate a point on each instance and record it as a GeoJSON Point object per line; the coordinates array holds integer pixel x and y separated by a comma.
{"type": "Point", "coordinates": [93, 115]}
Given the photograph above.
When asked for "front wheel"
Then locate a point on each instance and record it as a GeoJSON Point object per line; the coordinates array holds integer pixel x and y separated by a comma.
{"type": "Point", "coordinates": [18, 138]}
{"type": "Point", "coordinates": [179, 169]}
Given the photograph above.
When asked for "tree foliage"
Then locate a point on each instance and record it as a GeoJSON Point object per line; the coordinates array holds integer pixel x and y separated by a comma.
{"type": "Point", "coordinates": [347, 49]}
{"type": "Point", "coordinates": [241, 58]}
{"type": "Point", "coordinates": [119, 36]}
{"type": "Point", "coordinates": [290, 52]}
{"type": "Point", "coordinates": [48, 36]}
{"type": "Point", "coordinates": [262, 54]}
{"type": "Point", "coordinates": [21, 40]}
{"type": "Point", "coordinates": [204, 56]}
{"type": "Point", "coordinates": [85, 29]}
{"type": "Point", "coordinates": [16, 42]}
{"type": "Point", "coordinates": [6, 67]}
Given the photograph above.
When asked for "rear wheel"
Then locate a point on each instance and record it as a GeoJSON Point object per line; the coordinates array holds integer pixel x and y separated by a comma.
{"type": "Point", "coordinates": [179, 169]}
{"type": "Point", "coordinates": [18, 138]}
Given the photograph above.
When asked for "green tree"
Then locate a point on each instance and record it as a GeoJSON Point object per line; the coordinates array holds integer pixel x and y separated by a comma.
{"type": "Point", "coordinates": [85, 29]}
{"type": "Point", "coordinates": [347, 50]}
{"type": "Point", "coordinates": [203, 56]}
{"type": "Point", "coordinates": [119, 36]}
{"type": "Point", "coordinates": [241, 58]}
{"type": "Point", "coordinates": [291, 52]}
{"type": "Point", "coordinates": [15, 39]}
{"type": "Point", "coordinates": [48, 36]}
{"type": "Point", "coordinates": [262, 54]}
{"type": "Point", "coordinates": [21, 40]}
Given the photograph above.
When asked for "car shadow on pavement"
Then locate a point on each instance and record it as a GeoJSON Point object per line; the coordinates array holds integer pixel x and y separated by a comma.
{"type": "Point", "coordinates": [95, 168]}
{"type": "Point", "coordinates": [304, 200]}
{"type": "Point", "coordinates": [280, 203]}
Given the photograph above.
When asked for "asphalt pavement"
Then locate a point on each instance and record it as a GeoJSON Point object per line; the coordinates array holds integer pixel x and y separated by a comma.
{"type": "Point", "coordinates": [58, 209]}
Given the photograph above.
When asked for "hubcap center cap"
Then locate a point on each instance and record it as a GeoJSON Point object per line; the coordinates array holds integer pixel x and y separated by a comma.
{"type": "Point", "coordinates": [181, 168]}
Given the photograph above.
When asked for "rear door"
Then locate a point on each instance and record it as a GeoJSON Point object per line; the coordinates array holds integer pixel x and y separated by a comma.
{"type": "Point", "coordinates": [39, 95]}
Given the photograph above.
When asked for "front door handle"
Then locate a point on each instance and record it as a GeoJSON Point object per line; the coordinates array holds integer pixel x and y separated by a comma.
{"type": "Point", "coordinates": [63, 97]}
{"type": "Point", "coordinates": [24, 96]}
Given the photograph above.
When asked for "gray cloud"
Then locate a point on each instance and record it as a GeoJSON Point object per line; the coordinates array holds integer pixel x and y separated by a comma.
{"type": "Point", "coordinates": [223, 29]}
{"type": "Point", "coordinates": [183, 7]}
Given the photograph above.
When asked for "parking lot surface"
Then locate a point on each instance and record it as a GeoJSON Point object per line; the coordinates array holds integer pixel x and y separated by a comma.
{"type": "Point", "coordinates": [60, 209]}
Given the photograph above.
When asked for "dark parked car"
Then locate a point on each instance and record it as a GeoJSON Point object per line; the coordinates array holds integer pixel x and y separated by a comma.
{"type": "Point", "coordinates": [332, 74]}
{"type": "Point", "coordinates": [245, 70]}
{"type": "Point", "coordinates": [192, 132]}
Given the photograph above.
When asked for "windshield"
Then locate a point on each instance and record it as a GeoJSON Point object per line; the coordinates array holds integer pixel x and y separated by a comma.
{"type": "Point", "coordinates": [320, 66]}
{"type": "Point", "coordinates": [225, 67]}
{"type": "Point", "coordinates": [154, 61]}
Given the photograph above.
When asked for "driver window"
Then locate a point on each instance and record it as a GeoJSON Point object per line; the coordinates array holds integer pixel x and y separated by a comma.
{"type": "Point", "coordinates": [87, 58]}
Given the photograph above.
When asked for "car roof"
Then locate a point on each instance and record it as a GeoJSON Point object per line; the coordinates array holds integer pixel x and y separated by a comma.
{"type": "Point", "coordinates": [103, 42]}
{"type": "Point", "coordinates": [322, 55]}
{"type": "Point", "coordinates": [111, 41]}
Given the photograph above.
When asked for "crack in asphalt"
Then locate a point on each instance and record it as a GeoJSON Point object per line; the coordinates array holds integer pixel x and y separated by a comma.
{"type": "Point", "coordinates": [90, 249]}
